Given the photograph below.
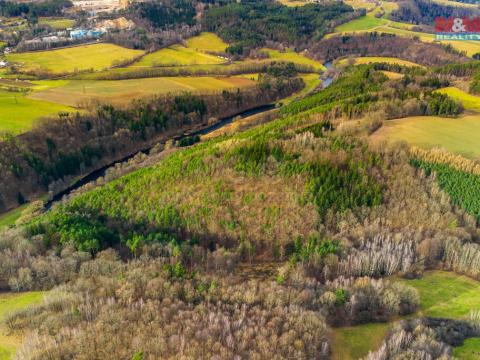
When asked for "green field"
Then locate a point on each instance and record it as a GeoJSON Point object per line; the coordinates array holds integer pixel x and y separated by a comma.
{"type": "Point", "coordinates": [291, 56]}
{"type": "Point", "coordinates": [446, 294]}
{"type": "Point", "coordinates": [470, 350]}
{"type": "Point", "coordinates": [378, 59]}
{"type": "Point", "coordinates": [57, 23]}
{"type": "Point", "coordinates": [352, 343]}
{"type": "Point", "coordinates": [469, 102]}
{"type": "Point", "coordinates": [206, 42]}
{"type": "Point", "coordinates": [79, 92]}
{"type": "Point", "coordinates": [442, 294]}
{"type": "Point", "coordinates": [177, 55]}
{"type": "Point", "coordinates": [10, 217]}
{"type": "Point", "coordinates": [366, 22]}
{"type": "Point", "coordinates": [78, 58]}
{"type": "Point", "coordinates": [10, 302]}
{"type": "Point", "coordinates": [458, 135]}
{"type": "Point", "coordinates": [18, 113]}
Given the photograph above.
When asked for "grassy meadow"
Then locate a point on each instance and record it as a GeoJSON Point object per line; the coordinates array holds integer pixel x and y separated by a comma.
{"type": "Point", "coordinates": [10, 302]}
{"type": "Point", "coordinates": [457, 135]}
{"type": "Point", "coordinates": [442, 294]}
{"type": "Point", "coordinates": [470, 350]}
{"type": "Point", "coordinates": [177, 55]}
{"type": "Point", "coordinates": [18, 112]}
{"type": "Point", "coordinates": [206, 42]}
{"type": "Point", "coordinates": [354, 342]}
{"type": "Point", "coordinates": [469, 102]}
{"type": "Point", "coordinates": [95, 56]}
{"type": "Point", "coordinates": [80, 92]}
{"type": "Point", "coordinates": [291, 56]}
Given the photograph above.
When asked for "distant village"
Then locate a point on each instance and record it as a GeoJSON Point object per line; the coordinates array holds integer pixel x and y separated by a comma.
{"type": "Point", "coordinates": [70, 36]}
{"type": "Point", "coordinates": [77, 34]}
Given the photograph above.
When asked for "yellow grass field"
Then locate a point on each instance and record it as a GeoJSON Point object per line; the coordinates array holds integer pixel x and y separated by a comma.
{"type": "Point", "coordinates": [78, 58]}
{"type": "Point", "coordinates": [469, 102]}
{"type": "Point", "coordinates": [392, 75]}
{"type": "Point", "coordinates": [291, 56]}
{"type": "Point", "coordinates": [177, 55]}
{"type": "Point", "coordinates": [19, 113]}
{"type": "Point", "coordinates": [206, 42]}
{"type": "Point", "coordinates": [458, 135]}
{"type": "Point", "coordinates": [378, 59]}
{"type": "Point", "coordinates": [81, 92]}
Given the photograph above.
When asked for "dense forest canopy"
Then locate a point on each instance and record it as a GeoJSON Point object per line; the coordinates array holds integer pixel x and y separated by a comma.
{"type": "Point", "coordinates": [251, 24]}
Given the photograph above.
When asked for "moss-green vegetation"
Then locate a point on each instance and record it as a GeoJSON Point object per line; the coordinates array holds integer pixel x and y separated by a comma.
{"type": "Point", "coordinates": [470, 350]}
{"type": "Point", "coordinates": [80, 92]}
{"type": "Point", "coordinates": [177, 55]}
{"type": "Point", "coordinates": [77, 58]}
{"type": "Point", "coordinates": [9, 218]}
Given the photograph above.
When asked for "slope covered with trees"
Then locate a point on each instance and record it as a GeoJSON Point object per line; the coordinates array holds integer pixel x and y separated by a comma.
{"type": "Point", "coordinates": [291, 227]}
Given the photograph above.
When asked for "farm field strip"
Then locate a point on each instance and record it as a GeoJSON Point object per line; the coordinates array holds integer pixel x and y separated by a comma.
{"type": "Point", "coordinates": [76, 92]}
{"type": "Point", "coordinates": [95, 56]}
{"type": "Point", "coordinates": [177, 55]}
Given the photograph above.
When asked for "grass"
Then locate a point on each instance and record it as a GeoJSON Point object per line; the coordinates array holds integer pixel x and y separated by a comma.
{"type": "Point", "coordinates": [446, 294]}
{"type": "Point", "coordinates": [19, 113]}
{"type": "Point", "coordinates": [80, 92]}
{"type": "Point", "coordinates": [78, 58]}
{"type": "Point", "coordinates": [470, 350]}
{"type": "Point", "coordinates": [442, 294]}
{"type": "Point", "coordinates": [57, 23]}
{"type": "Point", "coordinates": [293, 3]}
{"type": "Point", "coordinates": [206, 42]}
{"type": "Point", "coordinates": [351, 343]}
{"type": "Point", "coordinates": [291, 56]}
{"type": "Point", "coordinates": [10, 217]}
{"type": "Point", "coordinates": [177, 55]}
{"type": "Point", "coordinates": [457, 135]}
{"type": "Point", "coordinates": [378, 59]}
{"type": "Point", "coordinates": [10, 302]}
{"type": "Point", "coordinates": [469, 102]}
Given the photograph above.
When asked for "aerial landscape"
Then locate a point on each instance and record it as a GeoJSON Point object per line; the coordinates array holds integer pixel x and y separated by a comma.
{"type": "Point", "coordinates": [240, 179]}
